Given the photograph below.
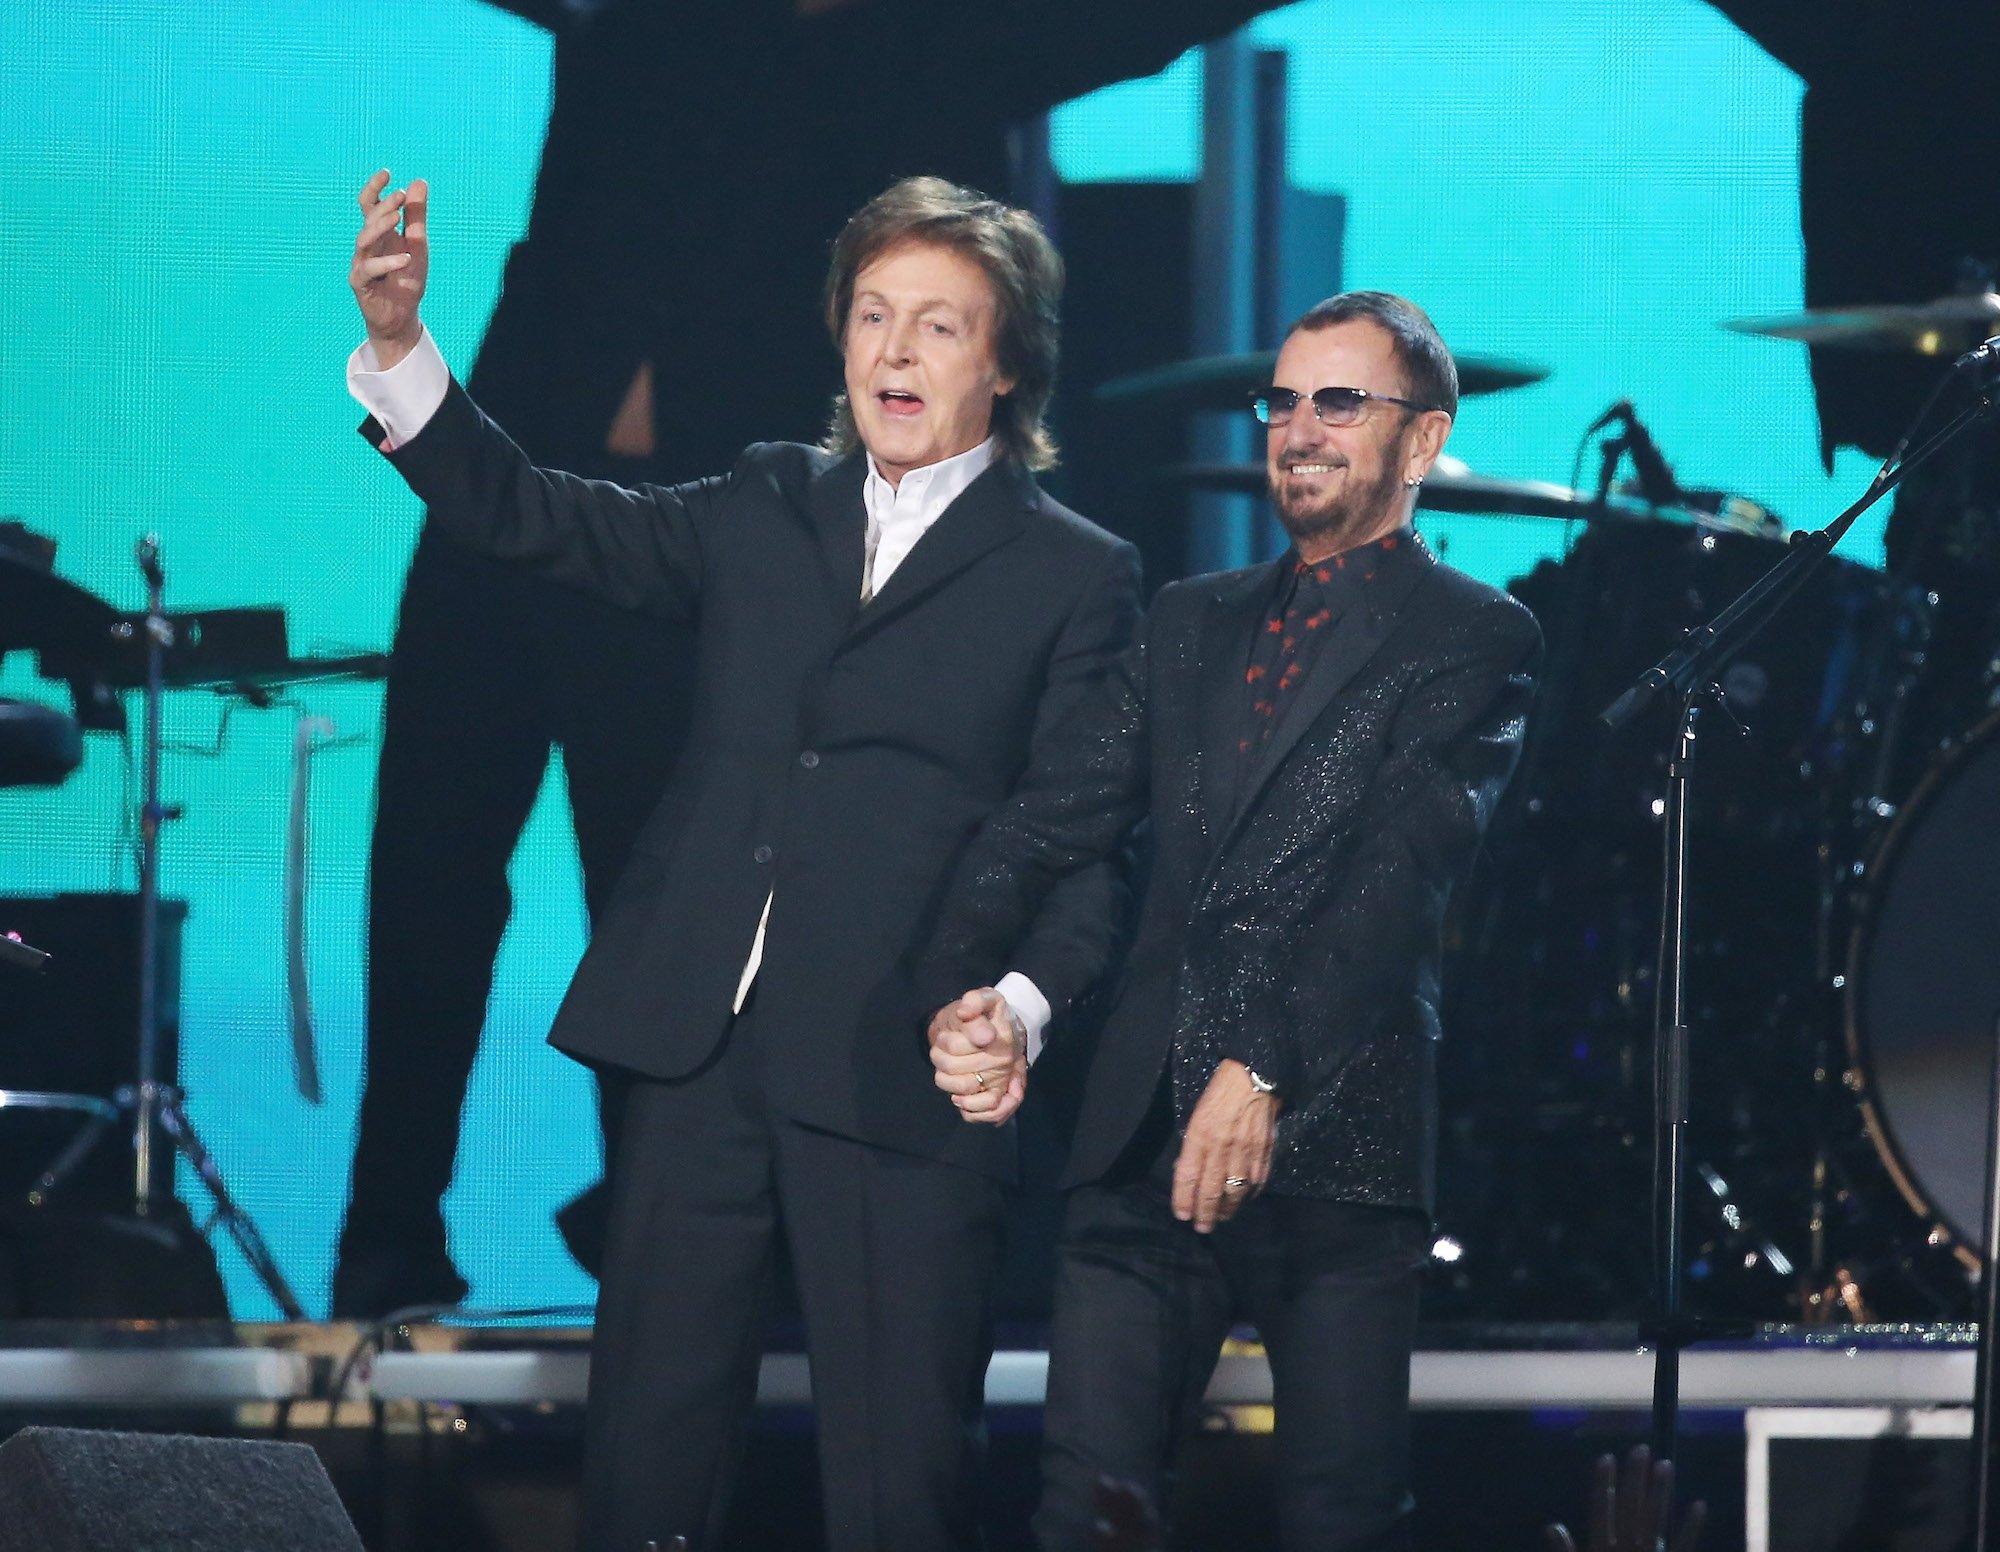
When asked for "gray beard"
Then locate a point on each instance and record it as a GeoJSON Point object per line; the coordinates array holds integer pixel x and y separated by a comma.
{"type": "Point", "coordinates": [1348, 519]}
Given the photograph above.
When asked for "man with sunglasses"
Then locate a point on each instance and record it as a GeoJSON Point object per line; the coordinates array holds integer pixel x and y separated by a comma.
{"type": "Point", "coordinates": [1318, 742]}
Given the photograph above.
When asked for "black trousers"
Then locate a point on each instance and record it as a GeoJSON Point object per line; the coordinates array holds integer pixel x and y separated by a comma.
{"type": "Point", "coordinates": [1142, 1304]}
{"type": "Point", "coordinates": [491, 668]}
{"type": "Point", "coordinates": [894, 1259]}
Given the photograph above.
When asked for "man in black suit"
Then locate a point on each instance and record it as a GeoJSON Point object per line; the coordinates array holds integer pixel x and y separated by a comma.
{"type": "Point", "coordinates": [887, 629]}
{"type": "Point", "coordinates": [670, 123]}
{"type": "Point", "coordinates": [1319, 742]}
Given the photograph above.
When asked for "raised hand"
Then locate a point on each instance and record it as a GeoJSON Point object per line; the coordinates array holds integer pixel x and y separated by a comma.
{"type": "Point", "coordinates": [392, 261]}
{"type": "Point", "coordinates": [978, 1057]}
{"type": "Point", "coordinates": [1226, 1156]}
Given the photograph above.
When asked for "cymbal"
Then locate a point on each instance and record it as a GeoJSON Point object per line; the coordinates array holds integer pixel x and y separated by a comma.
{"type": "Point", "coordinates": [1444, 490]}
{"type": "Point", "coordinates": [1452, 487]}
{"type": "Point", "coordinates": [1226, 382]}
{"type": "Point", "coordinates": [1941, 327]}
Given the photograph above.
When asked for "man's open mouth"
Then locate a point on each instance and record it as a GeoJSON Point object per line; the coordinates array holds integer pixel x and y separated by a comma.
{"type": "Point", "coordinates": [899, 401]}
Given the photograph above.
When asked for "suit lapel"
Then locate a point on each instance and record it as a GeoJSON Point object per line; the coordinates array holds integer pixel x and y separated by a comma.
{"type": "Point", "coordinates": [1227, 625]}
{"type": "Point", "coordinates": [988, 513]}
{"type": "Point", "coordinates": [840, 524]}
{"type": "Point", "coordinates": [1357, 635]}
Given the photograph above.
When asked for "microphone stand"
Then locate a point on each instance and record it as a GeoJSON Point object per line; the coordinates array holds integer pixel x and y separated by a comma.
{"type": "Point", "coordinates": [1690, 672]}
{"type": "Point", "coordinates": [158, 1112]}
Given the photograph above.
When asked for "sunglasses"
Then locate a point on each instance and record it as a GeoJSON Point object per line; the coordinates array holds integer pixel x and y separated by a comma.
{"type": "Point", "coordinates": [1333, 406]}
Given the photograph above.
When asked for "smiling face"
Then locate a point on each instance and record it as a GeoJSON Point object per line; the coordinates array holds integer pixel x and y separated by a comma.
{"type": "Point", "coordinates": [1336, 487]}
{"type": "Point", "coordinates": [920, 360]}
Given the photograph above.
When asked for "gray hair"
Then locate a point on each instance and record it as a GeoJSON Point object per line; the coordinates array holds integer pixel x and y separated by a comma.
{"type": "Point", "coordinates": [1426, 362]}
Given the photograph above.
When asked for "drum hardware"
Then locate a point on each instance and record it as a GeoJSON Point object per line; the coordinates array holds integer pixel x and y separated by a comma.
{"type": "Point", "coordinates": [1553, 960]}
{"type": "Point", "coordinates": [1552, 963]}
{"type": "Point", "coordinates": [1691, 672]}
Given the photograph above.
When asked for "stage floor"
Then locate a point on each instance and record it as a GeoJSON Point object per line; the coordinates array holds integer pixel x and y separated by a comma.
{"type": "Point", "coordinates": [455, 1436]}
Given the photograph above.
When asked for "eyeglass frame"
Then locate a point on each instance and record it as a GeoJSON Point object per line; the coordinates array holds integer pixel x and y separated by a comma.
{"type": "Point", "coordinates": [1362, 396]}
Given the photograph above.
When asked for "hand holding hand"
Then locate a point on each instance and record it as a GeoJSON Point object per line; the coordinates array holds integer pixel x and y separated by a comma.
{"type": "Point", "coordinates": [392, 261]}
{"type": "Point", "coordinates": [1226, 1156]}
{"type": "Point", "coordinates": [978, 1057]}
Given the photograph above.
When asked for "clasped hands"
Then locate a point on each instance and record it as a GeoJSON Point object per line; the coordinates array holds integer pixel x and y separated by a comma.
{"type": "Point", "coordinates": [1225, 1158]}
{"type": "Point", "coordinates": [979, 1057]}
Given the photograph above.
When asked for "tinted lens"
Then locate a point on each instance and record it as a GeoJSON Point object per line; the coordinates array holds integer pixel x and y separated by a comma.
{"type": "Point", "coordinates": [1274, 406]}
{"type": "Point", "coordinates": [1339, 406]}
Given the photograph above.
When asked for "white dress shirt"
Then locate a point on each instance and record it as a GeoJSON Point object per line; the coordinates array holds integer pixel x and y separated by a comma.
{"type": "Point", "coordinates": [404, 397]}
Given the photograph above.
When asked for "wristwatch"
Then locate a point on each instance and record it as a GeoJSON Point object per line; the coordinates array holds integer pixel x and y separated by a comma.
{"type": "Point", "coordinates": [1259, 1082]}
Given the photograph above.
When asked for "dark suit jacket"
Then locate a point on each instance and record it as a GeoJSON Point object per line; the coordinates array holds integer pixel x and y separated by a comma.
{"type": "Point", "coordinates": [1293, 916]}
{"type": "Point", "coordinates": [840, 756]}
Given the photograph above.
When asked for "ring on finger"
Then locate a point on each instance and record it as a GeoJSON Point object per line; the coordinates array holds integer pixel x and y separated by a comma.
{"type": "Point", "coordinates": [1234, 1184]}
{"type": "Point", "coordinates": [980, 1078]}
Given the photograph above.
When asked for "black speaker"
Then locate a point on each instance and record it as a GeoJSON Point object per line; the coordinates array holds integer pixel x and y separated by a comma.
{"type": "Point", "coordinates": [77, 1490]}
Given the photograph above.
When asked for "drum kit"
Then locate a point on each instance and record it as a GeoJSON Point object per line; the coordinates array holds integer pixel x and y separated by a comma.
{"type": "Point", "coordinates": [1843, 958]}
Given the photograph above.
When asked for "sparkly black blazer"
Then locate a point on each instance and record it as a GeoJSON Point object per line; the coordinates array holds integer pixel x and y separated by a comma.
{"type": "Point", "coordinates": [1293, 913]}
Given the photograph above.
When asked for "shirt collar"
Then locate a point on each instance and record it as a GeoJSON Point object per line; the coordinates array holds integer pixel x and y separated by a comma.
{"type": "Point", "coordinates": [926, 492]}
{"type": "Point", "coordinates": [1350, 568]}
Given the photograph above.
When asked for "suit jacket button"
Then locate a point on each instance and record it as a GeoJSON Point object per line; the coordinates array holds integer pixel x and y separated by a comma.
{"type": "Point", "coordinates": [810, 760]}
{"type": "Point", "coordinates": [761, 854]}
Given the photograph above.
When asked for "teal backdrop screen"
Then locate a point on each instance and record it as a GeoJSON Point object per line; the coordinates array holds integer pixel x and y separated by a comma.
{"type": "Point", "coordinates": [1589, 184]}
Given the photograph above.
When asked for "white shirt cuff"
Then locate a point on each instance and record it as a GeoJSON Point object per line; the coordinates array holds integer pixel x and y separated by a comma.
{"type": "Point", "coordinates": [404, 397]}
{"type": "Point", "coordinates": [1026, 999]}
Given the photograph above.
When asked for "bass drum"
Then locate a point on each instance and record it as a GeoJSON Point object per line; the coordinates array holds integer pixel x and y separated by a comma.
{"type": "Point", "coordinates": [1923, 990]}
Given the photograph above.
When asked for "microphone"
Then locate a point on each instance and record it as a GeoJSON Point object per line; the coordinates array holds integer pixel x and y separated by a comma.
{"type": "Point", "coordinates": [1657, 484]}
{"type": "Point", "coordinates": [1982, 356]}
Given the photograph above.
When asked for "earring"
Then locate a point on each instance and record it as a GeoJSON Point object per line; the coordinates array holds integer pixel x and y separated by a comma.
{"type": "Point", "coordinates": [1412, 484]}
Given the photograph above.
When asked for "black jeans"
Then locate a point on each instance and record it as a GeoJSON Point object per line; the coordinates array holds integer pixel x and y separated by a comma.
{"type": "Point", "coordinates": [1141, 1308]}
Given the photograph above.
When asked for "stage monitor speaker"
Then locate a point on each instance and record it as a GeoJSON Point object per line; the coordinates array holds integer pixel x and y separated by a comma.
{"type": "Point", "coordinates": [78, 1490]}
